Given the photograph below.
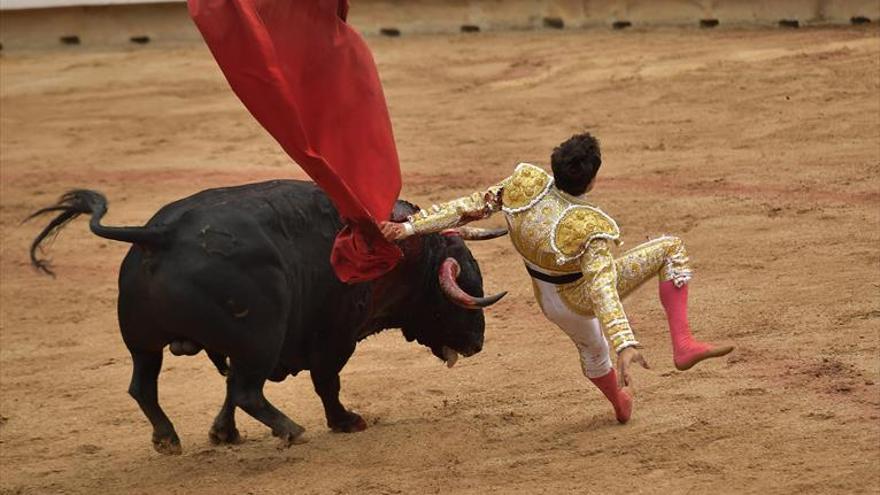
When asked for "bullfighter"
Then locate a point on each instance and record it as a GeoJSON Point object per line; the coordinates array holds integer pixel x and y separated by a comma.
{"type": "Point", "coordinates": [567, 245]}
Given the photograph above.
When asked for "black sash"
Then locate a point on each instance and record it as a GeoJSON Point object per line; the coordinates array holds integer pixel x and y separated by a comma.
{"type": "Point", "coordinates": [555, 279]}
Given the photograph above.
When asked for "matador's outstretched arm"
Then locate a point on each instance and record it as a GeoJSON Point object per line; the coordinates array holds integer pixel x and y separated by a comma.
{"type": "Point", "coordinates": [451, 214]}
{"type": "Point", "coordinates": [458, 212]}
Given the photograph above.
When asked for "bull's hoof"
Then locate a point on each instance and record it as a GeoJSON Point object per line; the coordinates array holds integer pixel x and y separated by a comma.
{"type": "Point", "coordinates": [295, 436]}
{"type": "Point", "coordinates": [228, 435]}
{"type": "Point", "coordinates": [353, 423]}
{"type": "Point", "coordinates": [167, 445]}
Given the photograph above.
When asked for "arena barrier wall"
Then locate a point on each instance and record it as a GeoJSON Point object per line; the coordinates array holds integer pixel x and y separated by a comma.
{"type": "Point", "coordinates": [119, 24]}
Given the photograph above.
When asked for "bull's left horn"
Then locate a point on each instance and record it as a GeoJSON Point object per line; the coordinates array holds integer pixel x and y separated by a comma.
{"type": "Point", "coordinates": [476, 233]}
{"type": "Point", "coordinates": [449, 271]}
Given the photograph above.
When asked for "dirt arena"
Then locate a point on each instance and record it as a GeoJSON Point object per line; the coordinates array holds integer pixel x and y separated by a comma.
{"type": "Point", "coordinates": [761, 148]}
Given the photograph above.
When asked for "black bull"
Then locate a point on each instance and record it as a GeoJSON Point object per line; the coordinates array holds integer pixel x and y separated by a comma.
{"type": "Point", "coordinates": [244, 273]}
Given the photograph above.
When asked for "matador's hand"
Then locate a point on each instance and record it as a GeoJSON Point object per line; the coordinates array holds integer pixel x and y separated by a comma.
{"type": "Point", "coordinates": [393, 231]}
{"type": "Point", "coordinates": [624, 362]}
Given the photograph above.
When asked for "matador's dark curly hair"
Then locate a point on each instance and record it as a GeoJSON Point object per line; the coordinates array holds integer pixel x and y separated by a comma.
{"type": "Point", "coordinates": [575, 163]}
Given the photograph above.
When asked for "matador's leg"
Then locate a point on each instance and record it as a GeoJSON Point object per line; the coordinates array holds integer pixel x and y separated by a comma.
{"type": "Point", "coordinates": [667, 257]}
{"type": "Point", "coordinates": [592, 348]}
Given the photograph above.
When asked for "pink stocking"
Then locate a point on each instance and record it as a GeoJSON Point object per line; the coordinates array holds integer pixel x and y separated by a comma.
{"type": "Point", "coordinates": [686, 350]}
{"type": "Point", "coordinates": [619, 397]}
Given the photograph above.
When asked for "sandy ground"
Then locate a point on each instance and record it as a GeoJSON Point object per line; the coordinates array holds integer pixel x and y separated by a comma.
{"type": "Point", "coordinates": [760, 148]}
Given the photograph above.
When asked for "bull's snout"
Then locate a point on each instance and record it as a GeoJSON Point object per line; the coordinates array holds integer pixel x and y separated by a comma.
{"type": "Point", "coordinates": [472, 349]}
{"type": "Point", "coordinates": [450, 354]}
{"type": "Point", "coordinates": [472, 345]}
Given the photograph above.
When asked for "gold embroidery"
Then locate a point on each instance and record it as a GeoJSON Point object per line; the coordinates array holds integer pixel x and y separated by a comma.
{"type": "Point", "coordinates": [598, 293]}
{"type": "Point", "coordinates": [525, 187]}
{"type": "Point", "coordinates": [600, 290]}
{"type": "Point", "coordinates": [560, 234]}
{"type": "Point", "coordinates": [665, 256]}
{"type": "Point", "coordinates": [530, 232]}
{"type": "Point", "coordinates": [457, 212]}
{"type": "Point", "coordinates": [578, 226]}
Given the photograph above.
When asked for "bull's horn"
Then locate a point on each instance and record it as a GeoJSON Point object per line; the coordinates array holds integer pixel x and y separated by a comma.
{"type": "Point", "coordinates": [476, 233]}
{"type": "Point", "coordinates": [449, 271]}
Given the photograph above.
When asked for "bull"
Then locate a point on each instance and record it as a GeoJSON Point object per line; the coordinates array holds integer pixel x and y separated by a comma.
{"type": "Point", "coordinates": [243, 273]}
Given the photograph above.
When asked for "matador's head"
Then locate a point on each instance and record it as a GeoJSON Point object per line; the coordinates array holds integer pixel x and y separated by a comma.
{"type": "Point", "coordinates": [575, 163]}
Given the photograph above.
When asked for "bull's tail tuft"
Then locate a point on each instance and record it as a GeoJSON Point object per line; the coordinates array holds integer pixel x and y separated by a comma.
{"type": "Point", "coordinates": [73, 204]}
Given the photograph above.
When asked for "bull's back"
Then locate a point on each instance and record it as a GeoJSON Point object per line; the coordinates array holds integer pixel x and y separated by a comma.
{"type": "Point", "coordinates": [234, 255]}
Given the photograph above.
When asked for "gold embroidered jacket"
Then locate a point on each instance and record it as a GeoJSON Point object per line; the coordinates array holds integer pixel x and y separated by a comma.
{"type": "Point", "coordinates": [556, 233]}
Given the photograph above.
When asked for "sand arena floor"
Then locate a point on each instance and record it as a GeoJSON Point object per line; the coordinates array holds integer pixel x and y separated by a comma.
{"type": "Point", "coordinates": [760, 148]}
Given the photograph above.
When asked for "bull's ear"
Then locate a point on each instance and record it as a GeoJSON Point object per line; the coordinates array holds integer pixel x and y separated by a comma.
{"type": "Point", "coordinates": [476, 233]}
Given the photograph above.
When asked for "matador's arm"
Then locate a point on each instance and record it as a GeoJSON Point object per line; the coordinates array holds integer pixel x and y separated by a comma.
{"type": "Point", "coordinates": [600, 272]}
{"type": "Point", "coordinates": [457, 212]}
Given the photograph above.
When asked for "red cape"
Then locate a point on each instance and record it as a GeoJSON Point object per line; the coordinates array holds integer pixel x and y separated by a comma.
{"type": "Point", "coordinates": [310, 80]}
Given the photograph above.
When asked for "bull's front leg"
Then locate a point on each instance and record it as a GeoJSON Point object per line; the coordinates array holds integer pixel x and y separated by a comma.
{"type": "Point", "coordinates": [339, 419]}
{"type": "Point", "coordinates": [223, 430]}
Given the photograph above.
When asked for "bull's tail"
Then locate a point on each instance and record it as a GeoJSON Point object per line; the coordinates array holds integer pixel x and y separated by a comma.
{"type": "Point", "coordinates": [77, 202]}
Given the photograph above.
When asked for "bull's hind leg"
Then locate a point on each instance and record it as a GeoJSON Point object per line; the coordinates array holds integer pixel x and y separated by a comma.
{"type": "Point", "coordinates": [244, 388]}
{"type": "Point", "coordinates": [144, 389]}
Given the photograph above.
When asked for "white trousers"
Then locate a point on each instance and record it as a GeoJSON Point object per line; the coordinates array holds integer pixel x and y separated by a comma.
{"type": "Point", "coordinates": [584, 331]}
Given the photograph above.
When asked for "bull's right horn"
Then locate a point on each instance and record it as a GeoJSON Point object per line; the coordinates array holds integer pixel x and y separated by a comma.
{"type": "Point", "coordinates": [449, 271]}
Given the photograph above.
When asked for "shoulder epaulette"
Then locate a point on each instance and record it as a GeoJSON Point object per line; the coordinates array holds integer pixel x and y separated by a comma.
{"type": "Point", "coordinates": [577, 226]}
{"type": "Point", "coordinates": [525, 188]}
